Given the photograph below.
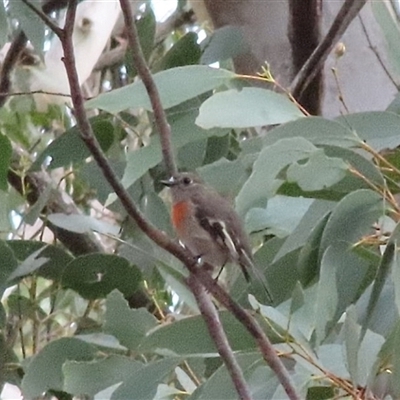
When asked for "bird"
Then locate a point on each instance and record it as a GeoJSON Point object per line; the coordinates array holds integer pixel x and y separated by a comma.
{"type": "Point", "coordinates": [208, 225]}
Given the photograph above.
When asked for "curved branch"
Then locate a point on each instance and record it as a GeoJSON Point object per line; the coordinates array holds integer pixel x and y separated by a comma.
{"type": "Point", "coordinates": [313, 65]}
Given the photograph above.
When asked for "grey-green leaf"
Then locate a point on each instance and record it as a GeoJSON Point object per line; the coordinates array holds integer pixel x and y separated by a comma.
{"type": "Point", "coordinates": [175, 86]}
{"type": "Point", "coordinates": [249, 107]}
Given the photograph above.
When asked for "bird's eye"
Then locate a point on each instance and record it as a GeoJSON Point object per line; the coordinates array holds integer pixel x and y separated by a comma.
{"type": "Point", "coordinates": [186, 181]}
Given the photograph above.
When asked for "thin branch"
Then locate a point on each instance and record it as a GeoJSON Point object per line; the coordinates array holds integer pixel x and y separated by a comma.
{"type": "Point", "coordinates": [145, 74]}
{"type": "Point", "coordinates": [219, 337]}
{"type": "Point", "coordinates": [159, 237]}
{"type": "Point", "coordinates": [48, 21]}
{"type": "Point", "coordinates": [13, 54]}
{"type": "Point", "coordinates": [7, 94]}
{"type": "Point", "coordinates": [377, 55]}
{"type": "Point", "coordinates": [313, 65]}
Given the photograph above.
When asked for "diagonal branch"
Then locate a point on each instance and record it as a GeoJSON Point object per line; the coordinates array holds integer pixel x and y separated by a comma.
{"type": "Point", "coordinates": [219, 337]}
{"type": "Point", "coordinates": [313, 65]}
{"type": "Point", "coordinates": [147, 79]}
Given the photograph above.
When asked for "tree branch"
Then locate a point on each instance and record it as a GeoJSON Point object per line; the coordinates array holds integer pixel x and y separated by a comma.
{"type": "Point", "coordinates": [313, 65]}
{"type": "Point", "coordinates": [48, 21]}
{"type": "Point", "coordinates": [159, 237]}
{"type": "Point", "coordinates": [145, 74]}
{"type": "Point", "coordinates": [218, 335]}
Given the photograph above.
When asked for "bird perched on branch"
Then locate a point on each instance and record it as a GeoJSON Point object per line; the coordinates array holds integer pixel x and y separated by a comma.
{"type": "Point", "coordinates": [208, 226]}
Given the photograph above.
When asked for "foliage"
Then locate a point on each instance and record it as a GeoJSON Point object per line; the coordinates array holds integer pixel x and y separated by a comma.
{"type": "Point", "coordinates": [318, 197]}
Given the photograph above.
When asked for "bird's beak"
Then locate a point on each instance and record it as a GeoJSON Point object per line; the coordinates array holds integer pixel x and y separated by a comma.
{"type": "Point", "coordinates": [170, 182]}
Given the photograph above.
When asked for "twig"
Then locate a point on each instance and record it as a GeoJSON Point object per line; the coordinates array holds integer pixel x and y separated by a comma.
{"type": "Point", "coordinates": [7, 94]}
{"type": "Point", "coordinates": [15, 50]}
{"type": "Point", "coordinates": [145, 74]}
{"type": "Point", "coordinates": [159, 237]}
{"type": "Point", "coordinates": [377, 55]}
{"type": "Point", "coordinates": [345, 16]}
{"type": "Point", "coordinates": [48, 21]}
{"type": "Point", "coordinates": [218, 335]}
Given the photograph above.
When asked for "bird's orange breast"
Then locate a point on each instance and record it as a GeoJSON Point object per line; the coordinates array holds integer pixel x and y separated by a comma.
{"type": "Point", "coordinates": [179, 214]}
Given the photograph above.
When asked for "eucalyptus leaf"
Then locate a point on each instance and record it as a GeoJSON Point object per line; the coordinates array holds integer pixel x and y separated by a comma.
{"type": "Point", "coordinates": [143, 384]}
{"type": "Point", "coordinates": [5, 159]}
{"type": "Point", "coordinates": [82, 224]}
{"type": "Point", "coordinates": [249, 107]}
{"type": "Point", "coordinates": [225, 42]}
{"type": "Point", "coordinates": [175, 86]}
{"type": "Point", "coordinates": [318, 173]}
{"type": "Point", "coordinates": [91, 377]}
{"type": "Point", "coordinates": [127, 325]}
{"type": "Point", "coordinates": [94, 276]}
{"type": "Point", "coordinates": [263, 184]}
{"type": "Point", "coordinates": [378, 129]}
{"type": "Point", "coordinates": [44, 372]}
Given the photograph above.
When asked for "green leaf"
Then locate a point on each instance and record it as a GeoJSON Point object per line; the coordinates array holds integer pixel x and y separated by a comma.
{"type": "Point", "coordinates": [395, 352]}
{"type": "Point", "coordinates": [89, 378]}
{"type": "Point", "coordinates": [219, 175]}
{"type": "Point", "coordinates": [82, 224]}
{"type": "Point", "coordinates": [44, 372]}
{"type": "Point", "coordinates": [351, 272]}
{"type": "Point", "coordinates": [308, 261]}
{"type": "Point", "coordinates": [281, 275]}
{"type": "Point", "coordinates": [318, 173]}
{"type": "Point", "coordinates": [363, 165]}
{"type": "Point", "coordinates": [320, 393]}
{"type": "Point", "coordinates": [22, 307]}
{"type": "Point", "coordinates": [57, 257]}
{"type": "Point", "coordinates": [189, 336]}
{"type": "Point", "coordinates": [224, 43]}
{"type": "Point", "coordinates": [390, 28]}
{"type": "Point", "coordinates": [303, 231]}
{"type": "Point", "coordinates": [191, 156]}
{"type": "Point", "coordinates": [127, 325]}
{"type": "Point", "coordinates": [69, 148]}
{"type": "Point", "coordinates": [8, 264]}
{"type": "Point", "coordinates": [327, 296]}
{"type": "Point", "coordinates": [3, 25]}
{"type": "Point", "coordinates": [94, 276]}
{"type": "Point", "coordinates": [352, 218]}
{"type": "Point", "coordinates": [281, 216]}
{"type": "Point", "coordinates": [29, 21]}
{"type": "Point", "coordinates": [183, 132]}
{"type": "Point", "coordinates": [260, 378]}
{"type": "Point", "coordinates": [146, 28]}
{"type": "Point", "coordinates": [317, 130]}
{"type": "Point", "coordinates": [28, 266]}
{"type": "Point", "coordinates": [6, 205]}
{"type": "Point", "coordinates": [5, 159]}
{"type": "Point", "coordinates": [143, 385]}
{"type": "Point", "coordinates": [249, 107]}
{"type": "Point", "coordinates": [351, 331]}
{"type": "Point", "coordinates": [379, 129]}
{"type": "Point", "coordinates": [262, 183]}
{"type": "Point", "coordinates": [385, 265]}
{"type": "Point", "coordinates": [185, 51]}
{"type": "Point", "coordinates": [34, 211]}
{"type": "Point", "coordinates": [156, 211]}
{"type": "Point", "coordinates": [175, 86]}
